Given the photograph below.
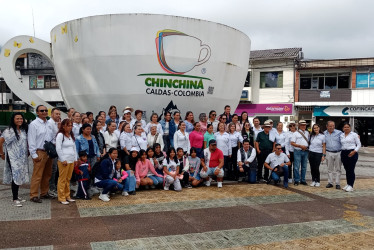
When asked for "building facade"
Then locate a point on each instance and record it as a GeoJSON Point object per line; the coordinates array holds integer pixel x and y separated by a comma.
{"type": "Point", "coordinates": [269, 89]}
{"type": "Point", "coordinates": [340, 90]}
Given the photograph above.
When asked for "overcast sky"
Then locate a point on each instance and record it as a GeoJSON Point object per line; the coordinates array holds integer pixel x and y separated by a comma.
{"type": "Point", "coordinates": [323, 28]}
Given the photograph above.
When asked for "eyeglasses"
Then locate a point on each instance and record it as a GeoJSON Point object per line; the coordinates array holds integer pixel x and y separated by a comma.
{"type": "Point", "coordinates": [291, 125]}
{"type": "Point", "coordinates": [279, 148]}
{"type": "Point", "coordinates": [223, 118]}
{"type": "Point", "coordinates": [43, 110]}
{"type": "Point", "coordinates": [213, 114]}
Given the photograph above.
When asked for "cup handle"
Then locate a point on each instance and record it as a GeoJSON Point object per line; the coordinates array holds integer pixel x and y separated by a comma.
{"type": "Point", "coordinates": [206, 58]}
{"type": "Point", "coordinates": [11, 50]}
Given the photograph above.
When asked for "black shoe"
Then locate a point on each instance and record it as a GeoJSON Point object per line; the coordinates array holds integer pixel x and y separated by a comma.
{"type": "Point", "coordinates": [78, 198]}
{"type": "Point", "coordinates": [87, 198]}
{"type": "Point", "coordinates": [296, 183]}
{"type": "Point", "coordinates": [329, 185]}
{"type": "Point", "coordinates": [338, 187]}
{"type": "Point", "coordinates": [36, 200]}
{"type": "Point", "coordinates": [132, 193]}
{"type": "Point", "coordinates": [47, 196]}
{"type": "Point", "coordinates": [304, 183]}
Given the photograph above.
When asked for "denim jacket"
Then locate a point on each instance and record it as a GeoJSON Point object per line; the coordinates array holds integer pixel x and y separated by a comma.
{"type": "Point", "coordinates": [82, 145]}
{"type": "Point", "coordinates": [172, 128]}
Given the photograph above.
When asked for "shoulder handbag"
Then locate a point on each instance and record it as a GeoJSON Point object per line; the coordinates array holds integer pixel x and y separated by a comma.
{"type": "Point", "coordinates": [50, 149]}
{"type": "Point", "coordinates": [302, 134]}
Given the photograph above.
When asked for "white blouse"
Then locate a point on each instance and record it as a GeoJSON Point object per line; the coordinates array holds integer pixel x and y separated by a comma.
{"type": "Point", "coordinates": [125, 140]}
{"type": "Point", "coordinates": [111, 140]}
{"type": "Point", "coordinates": [223, 143]}
{"type": "Point", "coordinates": [66, 149]}
{"type": "Point", "coordinates": [350, 142]}
{"type": "Point", "coordinates": [182, 141]}
{"type": "Point", "coordinates": [139, 142]}
{"type": "Point", "coordinates": [280, 138]}
{"type": "Point", "coordinates": [235, 138]}
{"type": "Point", "coordinates": [316, 143]}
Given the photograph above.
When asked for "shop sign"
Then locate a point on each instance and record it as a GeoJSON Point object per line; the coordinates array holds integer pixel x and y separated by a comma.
{"type": "Point", "coordinates": [244, 96]}
{"type": "Point", "coordinates": [363, 111]}
{"type": "Point", "coordinates": [324, 94]}
{"type": "Point", "coordinates": [265, 109]}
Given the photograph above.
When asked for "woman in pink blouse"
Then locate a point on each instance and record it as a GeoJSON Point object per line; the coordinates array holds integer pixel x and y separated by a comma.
{"type": "Point", "coordinates": [197, 139]}
{"type": "Point", "coordinates": [143, 169]}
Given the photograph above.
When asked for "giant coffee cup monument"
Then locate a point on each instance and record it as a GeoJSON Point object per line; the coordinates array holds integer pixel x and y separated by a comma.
{"type": "Point", "coordinates": [151, 62]}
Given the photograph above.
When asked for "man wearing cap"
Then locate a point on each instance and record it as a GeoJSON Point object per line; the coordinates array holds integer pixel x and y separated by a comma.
{"type": "Point", "coordinates": [278, 163]}
{"type": "Point", "coordinates": [300, 142]}
{"type": "Point", "coordinates": [212, 163]}
{"type": "Point", "coordinates": [263, 147]}
{"type": "Point", "coordinates": [333, 150]}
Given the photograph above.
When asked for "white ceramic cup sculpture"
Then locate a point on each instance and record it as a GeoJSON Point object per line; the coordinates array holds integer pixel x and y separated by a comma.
{"type": "Point", "coordinates": [155, 63]}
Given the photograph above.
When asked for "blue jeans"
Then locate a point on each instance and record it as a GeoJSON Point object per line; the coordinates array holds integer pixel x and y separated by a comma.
{"type": "Point", "coordinates": [275, 176]}
{"type": "Point", "coordinates": [156, 180]}
{"type": "Point", "coordinates": [130, 182]}
{"type": "Point", "coordinates": [107, 185]}
{"type": "Point", "coordinates": [301, 159]}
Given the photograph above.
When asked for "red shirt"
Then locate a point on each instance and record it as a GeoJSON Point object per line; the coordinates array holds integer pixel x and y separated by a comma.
{"type": "Point", "coordinates": [214, 158]}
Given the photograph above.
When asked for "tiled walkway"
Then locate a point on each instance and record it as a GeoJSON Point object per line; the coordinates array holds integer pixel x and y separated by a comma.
{"type": "Point", "coordinates": [239, 216]}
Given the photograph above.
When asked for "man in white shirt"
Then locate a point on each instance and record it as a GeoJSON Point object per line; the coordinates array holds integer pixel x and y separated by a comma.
{"type": "Point", "coordinates": [38, 133]}
{"type": "Point", "coordinates": [246, 159]}
{"type": "Point", "coordinates": [256, 127]}
{"type": "Point", "coordinates": [53, 125]}
{"type": "Point", "coordinates": [278, 163]}
{"type": "Point", "coordinates": [300, 142]}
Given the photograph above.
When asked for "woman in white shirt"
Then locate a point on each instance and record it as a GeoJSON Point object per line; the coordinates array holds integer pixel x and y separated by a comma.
{"type": "Point", "coordinates": [154, 137]}
{"type": "Point", "coordinates": [224, 144]}
{"type": "Point", "coordinates": [181, 138]}
{"type": "Point", "coordinates": [139, 140]}
{"type": "Point", "coordinates": [67, 155]}
{"type": "Point", "coordinates": [111, 139]}
{"type": "Point", "coordinates": [171, 170]}
{"type": "Point", "coordinates": [154, 122]}
{"type": "Point", "coordinates": [235, 139]}
{"type": "Point", "coordinates": [317, 153]}
{"type": "Point", "coordinates": [77, 123]}
{"type": "Point", "coordinates": [349, 155]}
{"type": "Point", "coordinates": [125, 138]}
{"type": "Point", "coordinates": [138, 118]}
{"type": "Point", "coordinates": [280, 137]}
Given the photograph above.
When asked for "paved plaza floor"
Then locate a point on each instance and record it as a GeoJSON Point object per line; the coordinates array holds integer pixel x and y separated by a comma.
{"type": "Point", "coordinates": [237, 216]}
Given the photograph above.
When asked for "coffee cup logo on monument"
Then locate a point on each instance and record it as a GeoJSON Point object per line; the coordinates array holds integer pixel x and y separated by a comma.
{"type": "Point", "coordinates": [179, 53]}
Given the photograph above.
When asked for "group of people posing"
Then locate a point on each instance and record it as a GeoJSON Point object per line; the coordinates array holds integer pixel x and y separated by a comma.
{"type": "Point", "coordinates": [114, 153]}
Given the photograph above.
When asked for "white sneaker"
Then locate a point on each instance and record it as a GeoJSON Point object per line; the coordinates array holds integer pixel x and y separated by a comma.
{"type": "Point", "coordinates": [289, 180]}
{"type": "Point", "coordinates": [70, 200]}
{"type": "Point", "coordinates": [21, 200]}
{"type": "Point", "coordinates": [17, 203]}
{"type": "Point", "coordinates": [64, 202]}
{"type": "Point", "coordinates": [349, 189]}
{"type": "Point", "coordinates": [207, 183]}
{"type": "Point", "coordinates": [124, 193]}
{"type": "Point", "coordinates": [104, 197]}
{"type": "Point", "coordinates": [345, 188]}
{"type": "Point", "coordinates": [166, 188]}
{"type": "Point", "coordinates": [219, 184]}
{"type": "Point", "coordinates": [318, 184]}
{"type": "Point", "coordinates": [313, 184]}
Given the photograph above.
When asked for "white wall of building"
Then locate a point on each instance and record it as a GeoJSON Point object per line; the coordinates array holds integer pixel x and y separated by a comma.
{"type": "Point", "coordinates": [362, 97]}
{"type": "Point", "coordinates": [273, 95]}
